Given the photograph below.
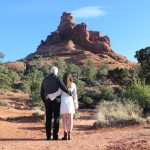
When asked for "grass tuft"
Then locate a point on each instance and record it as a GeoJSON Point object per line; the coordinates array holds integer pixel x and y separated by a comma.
{"type": "Point", "coordinates": [38, 113]}
{"type": "Point", "coordinates": [118, 114]}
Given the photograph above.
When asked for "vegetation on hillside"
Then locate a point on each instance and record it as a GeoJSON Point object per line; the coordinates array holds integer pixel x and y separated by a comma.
{"type": "Point", "coordinates": [94, 85]}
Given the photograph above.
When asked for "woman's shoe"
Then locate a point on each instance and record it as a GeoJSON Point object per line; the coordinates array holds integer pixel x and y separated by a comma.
{"type": "Point", "coordinates": [65, 136]}
{"type": "Point", "coordinates": [69, 136]}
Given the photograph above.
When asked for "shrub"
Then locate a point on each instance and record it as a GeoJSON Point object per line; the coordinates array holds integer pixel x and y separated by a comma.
{"type": "Point", "coordinates": [118, 113]}
{"type": "Point", "coordinates": [105, 82]}
{"type": "Point", "coordinates": [80, 87]}
{"type": "Point", "coordinates": [87, 102]}
{"type": "Point", "coordinates": [45, 70]}
{"type": "Point", "coordinates": [102, 73]}
{"type": "Point", "coordinates": [2, 91]}
{"type": "Point", "coordinates": [38, 112]}
{"type": "Point", "coordinates": [35, 93]}
{"type": "Point", "coordinates": [89, 71]}
{"type": "Point", "coordinates": [74, 70]}
{"type": "Point", "coordinates": [14, 76]}
{"type": "Point", "coordinates": [4, 102]}
{"type": "Point", "coordinates": [5, 81]}
{"type": "Point", "coordinates": [25, 86]}
{"type": "Point", "coordinates": [32, 85]}
{"type": "Point", "coordinates": [139, 92]}
{"type": "Point", "coordinates": [94, 95]}
{"type": "Point", "coordinates": [119, 92]}
{"type": "Point", "coordinates": [61, 65]}
{"type": "Point", "coordinates": [148, 120]}
{"type": "Point", "coordinates": [8, 77]}
{"type": "Point", "coordinates": [107, 93]}
{"type": "Point", "coordinates": [120, 75]}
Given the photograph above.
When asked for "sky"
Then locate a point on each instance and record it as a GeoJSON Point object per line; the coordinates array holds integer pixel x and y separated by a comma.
{"type": "Point", "coordinates": [24, 23]}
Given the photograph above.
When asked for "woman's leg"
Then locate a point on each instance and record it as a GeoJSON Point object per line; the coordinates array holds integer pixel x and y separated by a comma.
{"type": "Point", "coordinates": [64, 121]}
{"type": "Point", "coordinates": [70, 122]}
{"type": "Point", "coordinates": [70, 125]}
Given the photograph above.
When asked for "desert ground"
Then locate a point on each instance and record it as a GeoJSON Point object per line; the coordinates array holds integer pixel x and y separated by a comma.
{"type": "Point", "coordinates": [20, 130]}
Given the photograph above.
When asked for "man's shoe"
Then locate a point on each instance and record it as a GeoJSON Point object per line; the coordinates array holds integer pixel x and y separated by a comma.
{"type": "Point", "coordinates": [48, 138]}
{"type": "Point", "coordinates": [55, 138]}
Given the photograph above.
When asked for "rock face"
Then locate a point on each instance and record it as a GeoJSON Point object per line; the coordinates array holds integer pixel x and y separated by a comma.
{"type": "Point", "coordinates": [58, 42]}
{"type": "Point", "coordinates": [13, 65]}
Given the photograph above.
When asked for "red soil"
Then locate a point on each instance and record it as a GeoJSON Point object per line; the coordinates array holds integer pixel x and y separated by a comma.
{"type": "Point", "coordinates": [24, 132]}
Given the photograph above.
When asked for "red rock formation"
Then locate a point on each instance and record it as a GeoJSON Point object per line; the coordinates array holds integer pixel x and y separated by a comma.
{"type": "Point", "coordinates": [13, 65]}
{"type": "Point", "coordinates": [94, 36]}
{"type": "Point", "coordinates": [66, 26]}
{"type": "Point", "coordinates": [92, 41]}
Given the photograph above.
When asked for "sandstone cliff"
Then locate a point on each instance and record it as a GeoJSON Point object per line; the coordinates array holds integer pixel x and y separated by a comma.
{"type": "Point", "coordinates": [74, 43]}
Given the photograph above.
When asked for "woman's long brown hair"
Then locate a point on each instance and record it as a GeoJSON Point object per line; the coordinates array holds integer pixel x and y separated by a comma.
{"type": "Point", "coordinates": [67, 79]}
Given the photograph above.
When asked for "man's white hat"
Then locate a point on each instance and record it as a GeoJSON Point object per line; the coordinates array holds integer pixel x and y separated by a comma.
{"type": "Point", "coordinates": [54, 70]}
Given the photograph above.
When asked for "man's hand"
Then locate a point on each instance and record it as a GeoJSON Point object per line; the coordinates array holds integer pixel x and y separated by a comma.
{"type": "Point", "coordinates": [70, 93]}
{"type": "Point", "coordinates": [47, 97]}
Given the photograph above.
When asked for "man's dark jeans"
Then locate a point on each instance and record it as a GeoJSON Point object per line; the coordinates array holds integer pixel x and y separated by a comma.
{"type": "Point", "coordinates": [52, 111]}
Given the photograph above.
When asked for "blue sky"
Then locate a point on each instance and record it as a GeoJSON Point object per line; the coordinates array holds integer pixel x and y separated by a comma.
{"type": "Point", "coordinates": [24, 23]}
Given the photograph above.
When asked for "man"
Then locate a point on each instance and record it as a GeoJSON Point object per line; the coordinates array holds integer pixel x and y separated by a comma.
{"type": "Point", "coordinates": [51, 84]}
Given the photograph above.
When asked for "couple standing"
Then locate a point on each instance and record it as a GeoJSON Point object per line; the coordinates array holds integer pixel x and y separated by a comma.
{"type": "Point", "coordinates": [59, 98]}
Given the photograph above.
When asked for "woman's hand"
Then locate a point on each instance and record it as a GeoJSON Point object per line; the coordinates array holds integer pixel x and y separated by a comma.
{"type": "Point", "coordinates": [76, 110]}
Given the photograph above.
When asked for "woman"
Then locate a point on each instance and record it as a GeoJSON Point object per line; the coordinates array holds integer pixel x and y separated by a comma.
{"type": "Point", "coordinates": [69, 105]}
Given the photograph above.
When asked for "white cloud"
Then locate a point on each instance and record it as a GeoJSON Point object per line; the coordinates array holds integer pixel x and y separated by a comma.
{"type": "Point", "coordinates": [88, 12]}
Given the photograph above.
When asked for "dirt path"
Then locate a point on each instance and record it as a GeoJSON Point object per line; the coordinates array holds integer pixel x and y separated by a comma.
{"type": "Point", "coordinates": [28, 133]}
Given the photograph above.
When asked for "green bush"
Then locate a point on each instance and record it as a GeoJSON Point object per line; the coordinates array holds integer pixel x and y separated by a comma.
{"type": "Point", "coordinates": [89, 71]}
{"type": "Point", "coordinates": [35, 93]}
{"type": "Point", "coordinates": [14, 76]}
{"type": "Point", "coordinates": [61, 65]}
{"type": "Point", "coordinates": [45, 70]}
{"type": "Point", "coordinates": [102, 73]}
{"type": "Point", "coordinates": [87, 102]}
{"type": "Point", "coordinates": [36, 78]}
{"type": "Point", "coordinates": [120, 75]}
{"type": "Point", "coordinates": [140, 92]}
{"type": "Point", "coordinates": [119, 92]}
{"type": "Point", "coordinates": [90, 97]}
{"type": "Point", "coordinates": [25, 86]}
{"type": "Point", "coordinates": [107, 94]}
{"type": "Point", "coordinates": [5, 81]}
{"type": "Point", "coordinates": [105, 81]}
{"type": "Point", "coordinates": [80, 87]}
{"type": "Point", "coordinates": [74, 70]}
{"type": "Point", "coordinates": [8, 77]}
{"type": "Point", "coordinates": [94, 94]}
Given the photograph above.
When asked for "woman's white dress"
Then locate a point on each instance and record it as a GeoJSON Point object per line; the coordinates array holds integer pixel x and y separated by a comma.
{"type": "Point", "coordinates": [68, 103]}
